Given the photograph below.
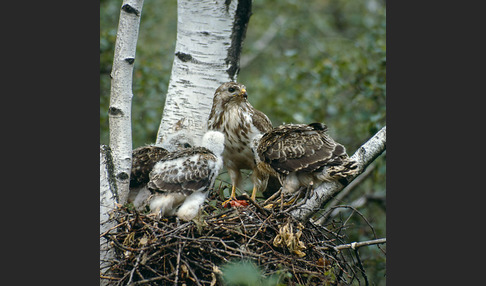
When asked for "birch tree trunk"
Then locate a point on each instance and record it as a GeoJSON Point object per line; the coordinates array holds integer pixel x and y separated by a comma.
{"type": "Point", "coordinates": [116, 160]}
{"type": "Point", "coordinates": [210, 36]}
{"type": "Point", "coordinates": [108, 199]}
{"type": "Point", "coordinates": [364, 156]}
{"type": "Point", "coordinates": [121, 94]}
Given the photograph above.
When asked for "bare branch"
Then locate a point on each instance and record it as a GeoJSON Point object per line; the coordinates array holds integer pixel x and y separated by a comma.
{"type": "Point", "coordinates": [355, 245]}
{"type": "Point", "coordinates": [358, 203]}
{"type": "Point", "coordinates": [345, 192]}
{"type": "Point", "coordinates": [364, 156]}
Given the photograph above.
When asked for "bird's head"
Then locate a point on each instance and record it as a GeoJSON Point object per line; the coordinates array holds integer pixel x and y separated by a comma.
{"type": "Point", "coordinates": [231, 92]}
{"type": "Point", "coordinates": [214, 141]}
{"type": "Point", "coordinates": [178, 140]}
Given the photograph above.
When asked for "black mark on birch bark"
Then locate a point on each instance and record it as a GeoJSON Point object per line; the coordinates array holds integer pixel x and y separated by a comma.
{"type": "Point", "coordinates": [130, 60]}
{"type": "Point", "coordinates": [110, 168]}
{"type": "Point", "coordinates": [122, 176]}
{"type": "Point", "coordinates": [183, 57]}
{"type": "Point", "coordinates": [115, 111]}
{"type": "Point", "coordinates": [240, 24]}
{"type": "Point", "coordinates": [227, 3]}
{"type": "Point", "coordinates": [129, 9]}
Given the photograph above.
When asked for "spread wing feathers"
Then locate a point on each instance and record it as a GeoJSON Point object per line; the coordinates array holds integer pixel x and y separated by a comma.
{"type": "Point", "coordinates": [143, 160]}
{"type": "Point", "coordinates": [300, 147]}
{"type": "Point", "coordinates": [184, 171]}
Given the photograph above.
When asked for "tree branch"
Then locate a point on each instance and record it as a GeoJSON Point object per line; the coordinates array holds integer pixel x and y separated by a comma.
{"type": "Point", "coordinates": [355, 245]}
{"type": "Point", "coordinates": [364, 156]}
{"type": "Point", "coordinates": [345, 192]}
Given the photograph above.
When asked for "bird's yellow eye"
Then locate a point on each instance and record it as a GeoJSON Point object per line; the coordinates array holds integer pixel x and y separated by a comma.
{"type": "Point", "coordinates": [231, 89]}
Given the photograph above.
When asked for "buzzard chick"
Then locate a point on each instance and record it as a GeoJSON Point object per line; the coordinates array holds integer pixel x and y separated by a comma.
{"type": "Point", "coordinates": [184, 177]}
{"type": "Point", "coordinates": [144, 159]}
{"type": "Point", "coordinates": [234, 116]}
{"type": "Point", "coordinates": [301, 154]}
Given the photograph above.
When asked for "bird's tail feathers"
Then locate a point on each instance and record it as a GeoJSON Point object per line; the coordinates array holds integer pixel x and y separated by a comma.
{"type": "Point", "coordinates": [340, 172]}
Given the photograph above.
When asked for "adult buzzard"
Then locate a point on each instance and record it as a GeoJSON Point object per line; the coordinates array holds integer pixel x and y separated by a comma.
{"type": "Point", "coordinates": [181, 180]}
{"type": "Point", "coordinates": [234, 116]}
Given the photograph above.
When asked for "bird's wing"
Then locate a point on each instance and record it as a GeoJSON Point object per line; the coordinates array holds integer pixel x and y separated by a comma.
{"type": "Point", "coordinates": [300, 147]}
{"type": "Point", "coordinates": [261, 121]}
{"type": "Point", "coordinates": [143, 160]}
{"type": "Point", "coordinates": [184, 171]}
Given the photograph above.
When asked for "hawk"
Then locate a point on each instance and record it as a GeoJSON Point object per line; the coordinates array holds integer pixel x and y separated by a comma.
{"type": "Point", "coordinates": [181, 180]}
{"type": "Point", "coordinates": [236, 118]}
{"type": "Point", "coordinates": [300, 155]}
{"type": "Point", "coordinates": [144, 159]}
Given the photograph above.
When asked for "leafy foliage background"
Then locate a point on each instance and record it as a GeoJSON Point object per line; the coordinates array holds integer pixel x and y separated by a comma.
{"type": "Point", "coordinates": [325, 61]}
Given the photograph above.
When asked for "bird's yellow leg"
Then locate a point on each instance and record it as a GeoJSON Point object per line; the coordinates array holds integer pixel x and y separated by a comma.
{"type": "Point", "coordinates": [233, 192]}
{"type": "Point", "coordinates": [253, 193]}
{"type": "Point", "coordinates": [232, 196]}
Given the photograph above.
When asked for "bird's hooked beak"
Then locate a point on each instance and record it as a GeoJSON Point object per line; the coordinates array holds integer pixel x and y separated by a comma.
{"type": "Point", "coordinates": [243, 93]}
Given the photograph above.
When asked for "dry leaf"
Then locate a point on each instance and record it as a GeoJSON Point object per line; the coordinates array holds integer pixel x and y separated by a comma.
{"type": "Point", "coordinates": [286, 237]}
{"type": "Point", "coordinates": [143, 241]}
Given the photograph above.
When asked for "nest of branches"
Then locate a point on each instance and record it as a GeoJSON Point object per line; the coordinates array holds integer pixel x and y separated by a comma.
{"type": "Point", "coordinates": [152, 251]}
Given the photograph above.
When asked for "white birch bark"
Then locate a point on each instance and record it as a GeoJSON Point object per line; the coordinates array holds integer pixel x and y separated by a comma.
{"type": "Point", "coordinates": [121, 94]}
{"type": "Point", "coordinates": [364, 156]}
{"type": "Point", "coordinates": [210, 35]}
{"type": "Point", "coordinates": [116, 160]}
{"type": "Point", "coordinates": [108, 199]}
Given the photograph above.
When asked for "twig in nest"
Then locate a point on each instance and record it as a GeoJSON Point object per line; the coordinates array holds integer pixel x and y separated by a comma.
{"type": "Point", "coordinates": [137, 261]}
{"type": "Point", "coordinates": [272, 197]}
{"type": "Point", "coordinates": [178, 263]}
{"type": "Point", "coordinates": [262, 210]}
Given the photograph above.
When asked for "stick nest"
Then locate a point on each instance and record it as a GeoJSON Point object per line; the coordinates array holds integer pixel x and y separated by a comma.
{"type": "Point", "coordinates": [151, 251]}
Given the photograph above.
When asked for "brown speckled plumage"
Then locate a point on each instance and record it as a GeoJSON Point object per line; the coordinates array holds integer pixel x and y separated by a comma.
{"type": "Point", "coordinates": [143, 160]}
{"type": "Point", "coordinates": [302, 153]}
{"type": "Point", "coordinates": [184, 171]}
{"type": "Point", "coordinates": [182, 179]}
{"type": "Point", "coordinates": [239, 121]}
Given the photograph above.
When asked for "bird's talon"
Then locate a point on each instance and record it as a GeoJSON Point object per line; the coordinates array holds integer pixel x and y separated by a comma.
{"type": "Point", "coordinates": [225, 203]}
